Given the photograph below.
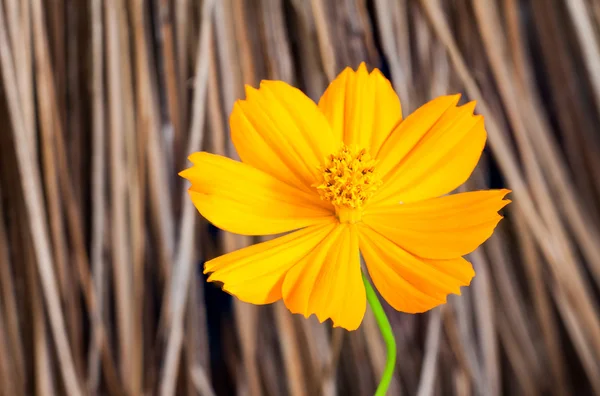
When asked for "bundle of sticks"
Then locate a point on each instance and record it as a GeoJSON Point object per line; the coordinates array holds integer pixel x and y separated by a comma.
{"type": "Point", "coordinates": [101, 252]}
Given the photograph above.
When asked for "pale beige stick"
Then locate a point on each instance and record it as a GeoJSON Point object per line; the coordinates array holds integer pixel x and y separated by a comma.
{"type": "Point", "coordinates": [135, 160]}
{"type": "Point", "coordinates": [218, 129]}
{"type": "Point", "coordinates": [196, 333]}
{"type": "Point", "coordinates": [432, 347]}
{"type": "Point", "coordinates": [325, 39]}
{"type": "Point", "coordinates": [201, 381]}
{"type": "Point", "coordinates": [43, 368]}
{"type": "Point", "coordinates": [98, 188]}
{"type": "Point", "coordinates": [133, 191]}
{"type": "Point", "coordinates": [20, 22]}
{"type": "Point", "coordinates": [14, 30]}
{"type": "Point", "coordinates": [119, 236]}
{"type": "Point", "coordinates": [231, 76]}
{"type": "Point", "coordinates": [485, 308]}
{"type": "Point", "coordinates": [247, 317]}
{"type": "Point", "coordinates": [295, 379]}
{"type": "Point", "coordinates": [462, 386]}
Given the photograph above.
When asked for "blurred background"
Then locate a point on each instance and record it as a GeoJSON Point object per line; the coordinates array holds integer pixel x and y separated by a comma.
{"type": "Point", "coordinates": [101, 287]}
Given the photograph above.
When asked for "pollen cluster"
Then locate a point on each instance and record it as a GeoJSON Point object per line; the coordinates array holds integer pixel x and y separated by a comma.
{"type": "Point", "coordinates": [348, 178]}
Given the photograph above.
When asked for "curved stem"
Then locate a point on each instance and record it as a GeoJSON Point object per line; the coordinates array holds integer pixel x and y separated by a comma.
{"type": "Point", "coordinates": [388, 337]}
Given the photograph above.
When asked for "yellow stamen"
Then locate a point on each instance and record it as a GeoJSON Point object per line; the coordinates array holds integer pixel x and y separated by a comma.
{"type": "Point", "coordinates": [348, 181]}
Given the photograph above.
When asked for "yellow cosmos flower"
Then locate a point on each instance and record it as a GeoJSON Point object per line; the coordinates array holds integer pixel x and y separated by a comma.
{"type": "Point", "coordinates": [346, 175]}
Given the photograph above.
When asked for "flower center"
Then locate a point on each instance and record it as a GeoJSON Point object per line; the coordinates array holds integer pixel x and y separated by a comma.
{"type": "Point", "coordinates": [348, 181]}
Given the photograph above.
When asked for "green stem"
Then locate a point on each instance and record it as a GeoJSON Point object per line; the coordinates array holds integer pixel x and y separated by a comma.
{"type": "Point", "coordinates": [388, 336]}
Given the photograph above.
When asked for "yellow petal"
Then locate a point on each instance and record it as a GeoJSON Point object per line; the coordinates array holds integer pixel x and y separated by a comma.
{"type": "Point", "coordinates": [362, 108]}
{"type": "Point", "coordinates": [280, 131]}
{"type": "Point", "coordinates": [240, 199]}
{"type": "Point", "coordinates": [440, 228]}
{"type": "Point", "coordinates": [407, 282]}
{"type": "Point", "coordinates": [328, 281]}
{"type": "Point", "coordinates": [255, 274]}
{"type": "Point", "coordinates": [432, 152]}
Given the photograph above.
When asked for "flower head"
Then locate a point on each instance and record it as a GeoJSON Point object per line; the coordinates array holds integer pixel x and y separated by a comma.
{"type": "Point", "coordinates": [345, 177]}
{"type": "Point", "coordinates": [348, 178]}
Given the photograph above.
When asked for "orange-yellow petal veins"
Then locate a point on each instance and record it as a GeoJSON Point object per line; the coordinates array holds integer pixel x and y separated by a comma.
{"type": "Point", "coordinates": [328, 281]}
{"type": "Point", "coordinates": [439, 228]}
{"type": "Point", "coordinates": [362, 108]}
{"type": "Point", "coordinates": [407, 282]}
{"type": "Point", "coordinates": [241, 199]}
{"type": "Point", "coordinates": [406, 135]}
{"type": "Point", "coordinates": [255, 274]}
{"type": "Point", "coordinates": [432, 152]}
{"type": "Point", "coordinates": [280, 131]}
